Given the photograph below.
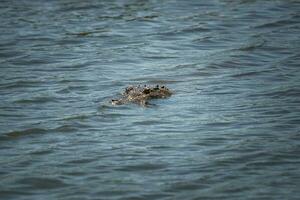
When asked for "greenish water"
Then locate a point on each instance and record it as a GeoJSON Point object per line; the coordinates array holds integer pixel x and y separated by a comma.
{"type": "Point", "coordinates": [230, 131]}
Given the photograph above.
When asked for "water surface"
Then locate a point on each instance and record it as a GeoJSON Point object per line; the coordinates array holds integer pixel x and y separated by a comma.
{"type": "Point", "coordinates": [230, 131]}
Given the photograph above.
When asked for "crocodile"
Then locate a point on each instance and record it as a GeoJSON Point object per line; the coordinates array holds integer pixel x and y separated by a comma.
{"type": "Point", "coordinates": [142, 94]}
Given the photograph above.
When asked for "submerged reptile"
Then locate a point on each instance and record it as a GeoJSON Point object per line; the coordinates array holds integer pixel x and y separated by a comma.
{"type": "Point", "coordinates": [141, 95]}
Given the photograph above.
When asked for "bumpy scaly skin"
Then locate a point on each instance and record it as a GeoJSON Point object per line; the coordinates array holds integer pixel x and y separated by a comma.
{"type": "Point", "coordinates": [141, 95]}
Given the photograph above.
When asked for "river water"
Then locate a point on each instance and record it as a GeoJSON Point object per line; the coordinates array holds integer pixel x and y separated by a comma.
{"type": "Point", "coordinates": [230, 131]}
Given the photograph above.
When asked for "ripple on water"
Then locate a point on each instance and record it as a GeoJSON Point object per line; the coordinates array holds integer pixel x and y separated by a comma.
{"type": "Point", "coordinates": [22, 83]}
{"type": "Point", "coordinates": [18, 134]}
{"type": "Point", "coordinates": [143, 167]}
{"type": "Point", "coordinates": [67, 128]}
{"type": "Point", "coordinates": [33, 183]}
{"type": "Point", "coordinates": [276, 23]}
{"type": "Point", "coordinates": [38, 100]}
{"type": "Point", "coordinates": [24, 133]}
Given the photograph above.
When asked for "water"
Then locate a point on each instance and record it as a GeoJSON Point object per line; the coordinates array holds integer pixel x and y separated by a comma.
{"type": "Point", "coordinates": [230, 131]}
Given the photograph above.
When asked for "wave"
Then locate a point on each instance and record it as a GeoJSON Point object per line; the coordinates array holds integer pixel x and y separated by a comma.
{"type": "Point", "coordinates": [22, 84]}
{"type": "Point", "coordinates": [279, 93]}
{"type": "Point", "coordinates": [277, 23]}
{"type": "Point", "coordinates": [37, 100]}
{"type": "Point", "coordinates": [67, 128]}
{"type": "Point", "coordinates": [42, 183]}
{"type": "Point", "coordinates": [142, 167]}
{"type": "Point", "coordinates": [252, 46]}
{"type": "Point", "coordinates": [247, 74]}
{"type": "Point", "coordinates": [23, 133]}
